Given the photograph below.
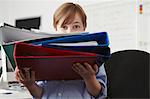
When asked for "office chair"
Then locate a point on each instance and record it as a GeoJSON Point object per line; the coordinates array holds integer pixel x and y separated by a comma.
{"type": "Point", "coordinates": [128, 74]}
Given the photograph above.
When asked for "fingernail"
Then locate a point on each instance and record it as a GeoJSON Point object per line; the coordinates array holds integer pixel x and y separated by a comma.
{"type": "Point", "coordinates": [77, 63]}
{"type": "Point", "coordinates": [85, 63]}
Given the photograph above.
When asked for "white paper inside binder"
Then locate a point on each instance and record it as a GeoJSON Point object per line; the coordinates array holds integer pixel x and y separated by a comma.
{"type": "Point", "coordinates": [89, 43]}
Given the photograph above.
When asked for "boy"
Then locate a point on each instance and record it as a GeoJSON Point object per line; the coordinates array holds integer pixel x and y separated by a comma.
{"type": "Point", "coordinates": [69, 18]}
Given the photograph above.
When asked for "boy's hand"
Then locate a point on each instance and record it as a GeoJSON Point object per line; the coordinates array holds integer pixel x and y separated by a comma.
{"type": "Point", "coordinates": [89, 76]}
{"type": "Point", "coordinates": [27, 77]}
{"type": "Point", "coordinates": [85, 71]}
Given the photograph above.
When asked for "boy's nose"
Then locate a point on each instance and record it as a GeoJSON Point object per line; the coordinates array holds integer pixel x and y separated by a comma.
{"type": "Point", "coordinates": [69, 30]}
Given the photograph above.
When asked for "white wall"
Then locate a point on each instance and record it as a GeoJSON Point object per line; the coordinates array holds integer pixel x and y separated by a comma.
{"type": "Point", "coordinates": [16, 9]}
{"type": "Point", "coordinates": [1, 21]}
{"type": "Point", "coordinates": [1, 11]}
{"type": "Point", "coordinates": [143, 27]}
{"type": "Point", "coordinates": [117, 17]}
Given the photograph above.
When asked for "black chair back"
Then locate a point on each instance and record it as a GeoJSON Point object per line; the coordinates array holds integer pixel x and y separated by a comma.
{"type": "Point", "coordinates": [128, 74]}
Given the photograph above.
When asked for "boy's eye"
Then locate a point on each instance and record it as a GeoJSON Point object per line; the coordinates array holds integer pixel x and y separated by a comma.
{"type": "Point", "coordinates": [64, 27]}
{"type": "Point", "coordinates": [76, 26]}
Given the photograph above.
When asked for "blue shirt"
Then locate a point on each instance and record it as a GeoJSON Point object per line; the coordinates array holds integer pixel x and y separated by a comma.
{"type": "Point", "coordinates": [73, 89]}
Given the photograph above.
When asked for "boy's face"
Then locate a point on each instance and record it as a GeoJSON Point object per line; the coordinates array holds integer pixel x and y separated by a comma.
{"type": "Point", "coordinates": [75, 26]}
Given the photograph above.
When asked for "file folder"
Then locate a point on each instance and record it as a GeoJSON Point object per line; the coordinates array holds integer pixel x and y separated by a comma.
{"type": "Point", "coordinates": [103, 51]}
{"type": "Point", "coordinates": [100, 37]}
{"type": "Point", "coordinates": [51, 63]}
{"type": "Point", "coordinates": [9, 49]}
{"type": "Point", "coordinates": [10, 35]}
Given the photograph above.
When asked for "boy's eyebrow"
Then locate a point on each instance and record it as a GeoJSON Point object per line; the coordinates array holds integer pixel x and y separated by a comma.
{"type": "Point", "coordinates": [76, 22]}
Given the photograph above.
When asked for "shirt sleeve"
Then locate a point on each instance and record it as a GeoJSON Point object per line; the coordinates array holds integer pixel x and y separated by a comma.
{"type": "Point", "coordinates": [45, 89]}
{"type": "Point", "coordinates": [102, 78]}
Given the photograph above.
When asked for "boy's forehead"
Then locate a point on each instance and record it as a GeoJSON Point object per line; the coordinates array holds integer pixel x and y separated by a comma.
{"type": "Point", "coordinates": [76, 19]}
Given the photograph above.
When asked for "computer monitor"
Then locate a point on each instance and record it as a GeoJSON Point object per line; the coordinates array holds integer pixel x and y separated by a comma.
{"type": "Point", "coordinates": [28, 23]}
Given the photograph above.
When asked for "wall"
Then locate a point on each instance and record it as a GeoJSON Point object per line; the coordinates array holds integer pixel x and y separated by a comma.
{"type": "Point", "coordinates": [118, 17]}
{"type": "Point", "coordinates": [143, 24]}
{"type": "Point", "coordinates": [1, 11]}
{"type": "Point", "coordinates": [16, 9]}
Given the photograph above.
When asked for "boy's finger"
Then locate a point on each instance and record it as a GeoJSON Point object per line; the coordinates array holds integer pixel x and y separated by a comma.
{"type": "Point", "coordinates": [74, 67]}
{"type": "Point", "coordinates": [95, 67]}
{"type": "Point", "coordinates": [33, 75]}
{"type": "Point", "coordinates": [27, 73]}
{"type": "Point", "coordinates": [17, 76]}
{"type": "Point", "coordinates": [20, 77]}
{"type": "Point", "coordinates": [88, 67]}
{"type": "Point", "coordinates": [16, 69]}
{"type": "Point", "coordinates": [80, 67]}
{"type": "Point", "coordinates": [21, 74]}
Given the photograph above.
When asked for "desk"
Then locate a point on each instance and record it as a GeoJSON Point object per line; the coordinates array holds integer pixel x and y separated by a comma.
{"type": "Point", "coordinates": [14, 94]}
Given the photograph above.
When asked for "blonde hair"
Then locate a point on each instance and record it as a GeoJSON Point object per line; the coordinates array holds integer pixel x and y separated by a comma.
{"type": "Point", "coordinates": [68, 10]}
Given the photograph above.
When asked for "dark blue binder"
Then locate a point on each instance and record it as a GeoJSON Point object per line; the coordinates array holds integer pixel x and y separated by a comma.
{"type": "Point", "coordinates": [42, 40]}
{"type": "Point", "coordinates": [100, 37]}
